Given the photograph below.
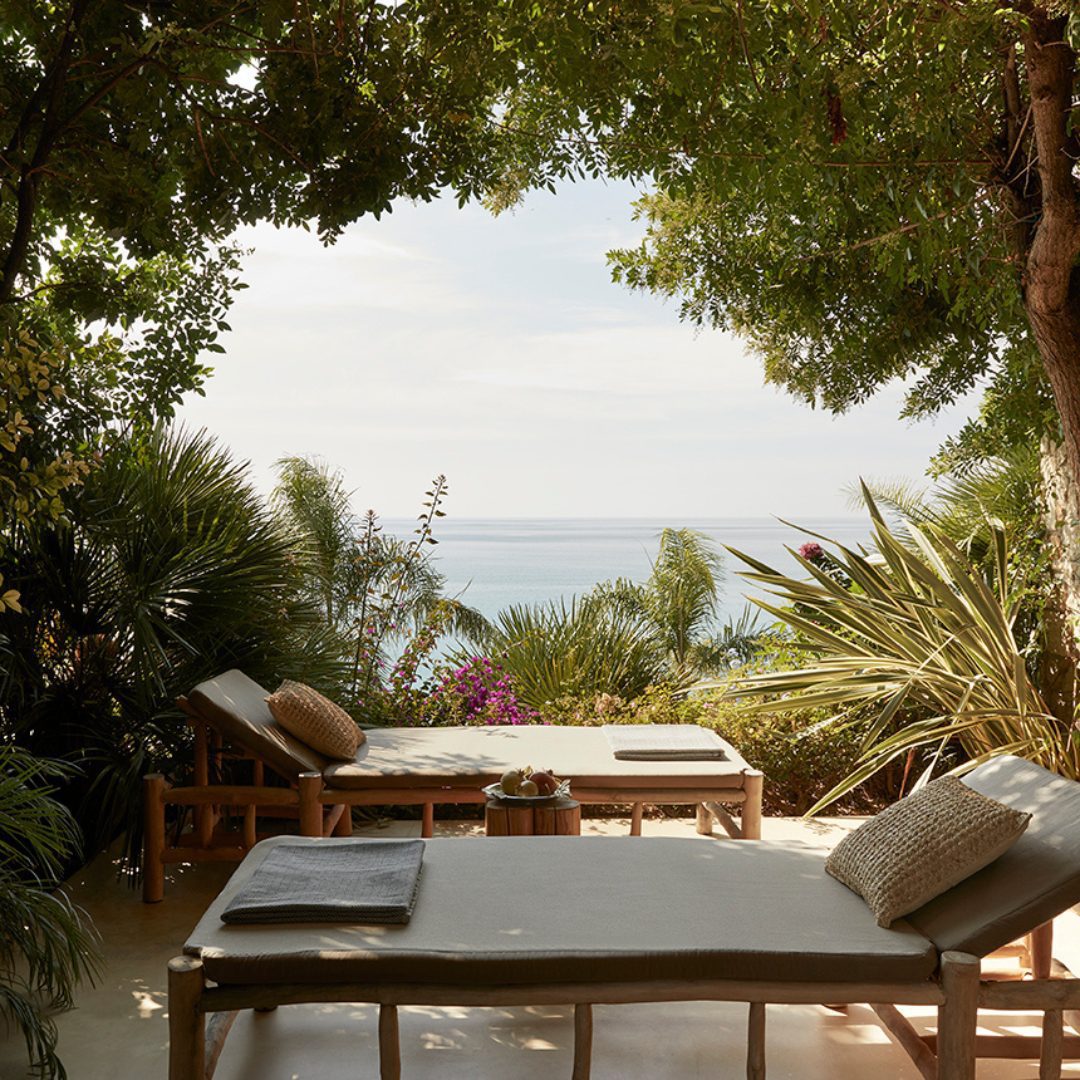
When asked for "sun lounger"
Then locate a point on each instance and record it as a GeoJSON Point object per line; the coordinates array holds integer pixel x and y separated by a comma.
{"type": "Point", "coordinates": [408, 766]}
{"type": "Point", "coordinates": [526, 921]}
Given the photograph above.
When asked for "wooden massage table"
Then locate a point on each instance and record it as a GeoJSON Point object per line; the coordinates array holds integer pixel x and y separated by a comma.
{"type": "Point", "coordinates": [404, 766]}
{"type": "Point", "coordinates": [614, 919]}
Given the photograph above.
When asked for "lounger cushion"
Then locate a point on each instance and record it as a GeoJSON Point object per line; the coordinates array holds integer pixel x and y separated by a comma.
{"type": "Point", "coordinates": [923, 845]}
{"type": "Point", "coordinates": [315, 720]}
{"type": "Point", "coordinates": [1036, 879]}
{"type": "Point", "coordinates": [236, 706]}
{"type": "Point", "coordinates": [454, 756]}
{"type": "Point", "coordinates": [517, 910]}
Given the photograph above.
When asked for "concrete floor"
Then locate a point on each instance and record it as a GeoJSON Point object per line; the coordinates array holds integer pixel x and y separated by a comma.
{"type": "Point", "coordinates": [119, 1032]}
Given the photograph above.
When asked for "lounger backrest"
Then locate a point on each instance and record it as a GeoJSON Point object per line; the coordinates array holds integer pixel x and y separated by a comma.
{"type": "Point", "coordinates": [236, 706]}
{"type": "Point", "coordinates": [1036, 879]}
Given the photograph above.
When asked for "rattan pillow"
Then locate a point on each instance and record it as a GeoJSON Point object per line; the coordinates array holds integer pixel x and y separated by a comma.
{"type": "Point", "coordinates": [315, 720]}
{"type": "Point", "coordinates": [923, 845]}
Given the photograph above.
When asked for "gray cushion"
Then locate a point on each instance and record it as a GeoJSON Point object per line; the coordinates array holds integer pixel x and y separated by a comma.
{"type": "Point", "coordinates": [1036, 879]}
{"type": "Point", "coordinates": [517, 910]}
{"type": "Point", "coordinates": [236, 706]}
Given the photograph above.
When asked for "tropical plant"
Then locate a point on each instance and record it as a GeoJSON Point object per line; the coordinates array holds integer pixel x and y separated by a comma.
{"type": "Point", "coordinates": [170, 570]}
{"type": "Point", "coordinates": [578, 650]}
{"type": "Point", "coordinates": [923, 641]}
{"type": "Point", "coordinates": [46, 945]}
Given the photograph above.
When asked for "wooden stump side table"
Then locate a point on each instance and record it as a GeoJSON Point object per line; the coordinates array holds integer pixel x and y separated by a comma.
{"type": "Point", "coordinates": [560, 817]}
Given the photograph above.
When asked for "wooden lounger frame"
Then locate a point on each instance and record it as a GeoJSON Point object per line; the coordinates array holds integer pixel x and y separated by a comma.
{"type": "Point", "coordinates": [324, 811]}
{"type": "Point", "coordinates": [951, 1054]}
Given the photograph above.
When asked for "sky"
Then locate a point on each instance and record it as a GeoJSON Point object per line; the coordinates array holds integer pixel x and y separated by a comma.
{"type": "Point", "coordinates": [498, 351]}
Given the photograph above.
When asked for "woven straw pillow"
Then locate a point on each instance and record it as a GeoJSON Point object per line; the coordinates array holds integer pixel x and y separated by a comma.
{"type": "Point", "coordinates": [325, 727]}
{"type": "Point", "coordinates": [923, 845]}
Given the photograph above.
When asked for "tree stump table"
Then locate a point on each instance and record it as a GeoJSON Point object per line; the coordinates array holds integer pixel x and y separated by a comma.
{"type": "Point", "coordinates": [559, 817]}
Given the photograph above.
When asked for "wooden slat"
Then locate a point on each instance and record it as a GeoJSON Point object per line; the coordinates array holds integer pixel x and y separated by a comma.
{"type": "Point", "coordinates": [727, 822]}
{"type": "Point", "coordinates": [231, 795]}
{"type": "Point", "coordinates": [217, 1030]}
{"type": "Point", "coordinates": [1014, 1047]}
{"type": "Point", "coordinates": [246, 997]}
{"type": "Point", "coordinates": [909, 1039]}
{"type": "Point", "coordinates": [1034, 996]}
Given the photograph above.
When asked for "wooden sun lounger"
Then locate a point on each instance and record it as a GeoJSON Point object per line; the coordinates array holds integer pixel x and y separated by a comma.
{"type": "Point", "coordinates": [405, 767]}
{"type": "Point", "coordinates": [613, 920]}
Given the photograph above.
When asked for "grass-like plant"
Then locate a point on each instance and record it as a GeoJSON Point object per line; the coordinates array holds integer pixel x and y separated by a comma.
{"type": "Point", "coordinates": [915, 635]}
{"type": "Point", "coordinates": [46, 945]}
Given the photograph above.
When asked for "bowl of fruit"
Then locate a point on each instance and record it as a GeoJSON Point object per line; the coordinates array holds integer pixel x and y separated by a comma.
{"type": "Point", "coordinates": [528, 785]}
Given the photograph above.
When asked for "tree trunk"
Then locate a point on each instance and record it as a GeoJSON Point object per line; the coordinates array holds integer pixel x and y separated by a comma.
{"type": "Point", "coordinates": [1051, 291]}
{"type": "Point", "coordinates": [1057, 675]}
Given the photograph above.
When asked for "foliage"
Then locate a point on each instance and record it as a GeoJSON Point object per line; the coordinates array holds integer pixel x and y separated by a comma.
{"type": "Point", "coordinates": [381, 596]}
{"type": "Point", "coordinates": [479, 691]}
{"type": "Point", "coordinates": [46, 948]}
{"type": "Point", "coordinates": [34, 472]}
{"type": "Point", "coordinates": [678, 600]}
{"type": "Point", "coordinates": [577, 649]}
{"type": "Point", "coordinates": [862, 194]}
{"type": "Point", "coordinates": [170, 571]}
{"type": "Point", "coordinates": [924, 640]}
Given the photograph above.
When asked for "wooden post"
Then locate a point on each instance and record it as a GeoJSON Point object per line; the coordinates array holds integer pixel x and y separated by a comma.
{"type": "Point", "coordinates": [755, 1042]}
{"type": "Point", "coordinates": [344, 823]}
{"type": "Point", "coordinates": [753, 784]}
{"type": "Point", "coordinates": [389, 1044]}
{"type": "Point", "coordinates": [635, 818]}
{"type": "Point", "coordinates": [1041, 948]}
{"type": "Point", "coordinates": [204, 814]}
{"type": "Point", "coordinates": [310, 785]}
{"type": "Point", "coordinates": [427, 822]}
{"type": "Point", "coordinates": [560, 818]}
{"type": "Point", "coordinates": [958, 1016]}
{"type": "Point", "coordinates": [582, 1042]}
{"type": "Point", "coordinates": [704, 820]}
{"type": "Point", "coordinates": [153, 838]}
{"type": "Point", "coordinates": [187, 1023]}
{"type": "Point", "coordinates": [1053, 1045]}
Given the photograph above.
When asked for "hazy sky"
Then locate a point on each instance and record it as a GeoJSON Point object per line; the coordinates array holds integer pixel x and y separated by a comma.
{"type": "Point", "coordinates": [499, 352]}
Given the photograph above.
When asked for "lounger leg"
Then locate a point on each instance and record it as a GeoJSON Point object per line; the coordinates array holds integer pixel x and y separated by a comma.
{"type": "Point", "coordinates": [753, 785]}
{"type": "Point", "coordinates": [755, 1042]}
{"type": "Point", "coordinates": [582, 1042]}
{"type": "Point", "coordinates": [187, 1024]}
{"type": "Point", "coordinates": [958, 1017]}
{"type": "Point", "coordinates": [389, 1044]}
{"type": "Point", "coordinates": [704, 820]}
{"type": "Point", "coordinates": [427, 822]}
{"type": "Point", "coordinates": [1041, 948]}
{"type": "Point", "coordinates": [153, 838]}
{"type": "Point", "coordinates": [310, 785]}
{"type": "Point", "coordinates": [344, 823]}
{"type": "Point", "coordinates": [636, 814]}
{"type": "Point", "coordinates": [1053, 1045]}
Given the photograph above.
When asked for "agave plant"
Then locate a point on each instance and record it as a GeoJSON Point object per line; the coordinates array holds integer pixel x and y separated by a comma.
{"type": "Point", "coordinates": [920, 638]}
{"type": "Point", "coordinates": [46, 945]}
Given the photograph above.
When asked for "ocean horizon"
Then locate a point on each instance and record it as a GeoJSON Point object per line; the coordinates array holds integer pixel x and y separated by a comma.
{"type": "Point", "coordinates": [492, 563]}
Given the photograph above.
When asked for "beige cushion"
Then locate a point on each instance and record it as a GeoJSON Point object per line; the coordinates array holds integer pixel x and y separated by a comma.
{"type": "Point", "coordinates": [923, 845]}
{"type": "Point", "coordinates": [551, 909]}
{"type": "Point", "coordinates": [473, 756]}
{"type": "Point", "coordinates": [315, 720]}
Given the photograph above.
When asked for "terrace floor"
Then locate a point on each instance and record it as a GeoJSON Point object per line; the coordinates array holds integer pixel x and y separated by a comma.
{"type": "Point", "coordinates": [119, 1030]}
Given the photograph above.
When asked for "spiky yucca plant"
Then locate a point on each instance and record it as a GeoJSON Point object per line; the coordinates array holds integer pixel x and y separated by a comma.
{"type": "Point", "coordinates": [921, 638]}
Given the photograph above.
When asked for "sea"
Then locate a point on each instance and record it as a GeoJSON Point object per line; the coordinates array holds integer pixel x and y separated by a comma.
{"type": "Point", "coordinates": [493, 563]}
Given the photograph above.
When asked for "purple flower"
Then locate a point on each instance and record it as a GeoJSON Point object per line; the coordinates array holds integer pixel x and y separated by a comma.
{"type": "Point", "coordinates": [812, 552]}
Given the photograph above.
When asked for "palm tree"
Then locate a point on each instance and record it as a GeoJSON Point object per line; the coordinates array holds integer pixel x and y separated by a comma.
{"type": "Point", "coordinates": [170, 571]}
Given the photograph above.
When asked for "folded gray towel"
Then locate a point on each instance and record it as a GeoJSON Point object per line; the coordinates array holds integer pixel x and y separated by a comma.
{"type": "Point", "coordinates": [664, 742]}
{"type": "Point", "coordinates": [355, 881]}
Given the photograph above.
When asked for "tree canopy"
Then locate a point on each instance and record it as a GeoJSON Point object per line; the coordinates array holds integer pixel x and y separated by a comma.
{"type": "Point", "coordinates": [861, 189]}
